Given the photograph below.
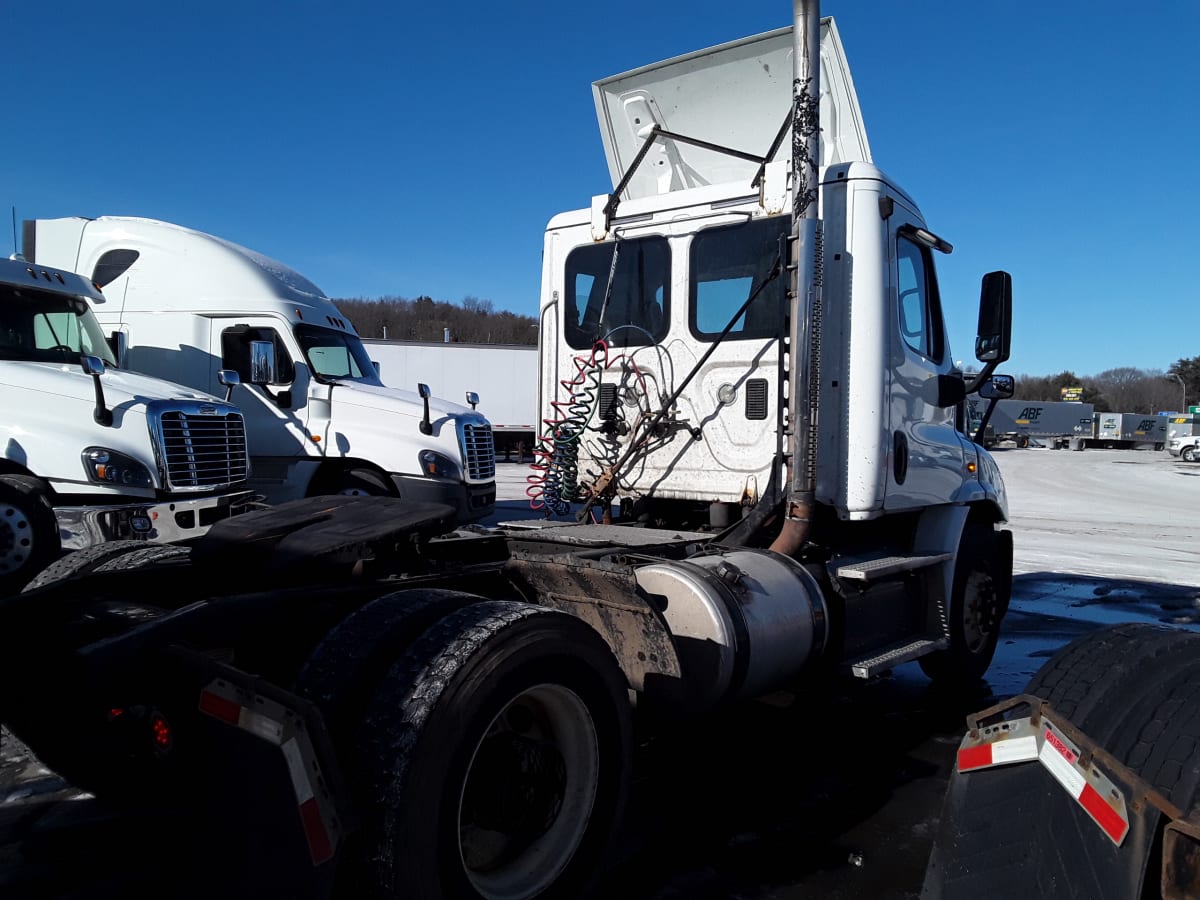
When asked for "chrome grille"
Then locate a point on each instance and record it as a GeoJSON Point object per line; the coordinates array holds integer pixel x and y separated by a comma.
{"type": "Point", "coordinates": [479, 452]}
{"type": "Point", "coordinates": [201, 451]}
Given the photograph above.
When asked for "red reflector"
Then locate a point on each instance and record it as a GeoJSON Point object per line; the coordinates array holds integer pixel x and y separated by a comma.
{"type": "Point", "coordinates": [1106, 817]}
{"type": "Point", "coordinates": [220, 708]}
{"type": "Point", "coordinates": [974, 757]}
{"type": "Point", "coordinates": [319, 846]}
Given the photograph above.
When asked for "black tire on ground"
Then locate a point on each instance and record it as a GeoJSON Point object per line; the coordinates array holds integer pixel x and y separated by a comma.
{"type": "Point", "coordinates": [499, 749]}
{"type": "Point", "coordinates": [28, 531]}
{"type": "Point", "coordinates": [343, 670]}
{"type": "Point", "coordinates": [1160, 446]}
{"type": "Point", "coordinates": [1188, 454]}
{"type": "Point", "coordinates": [355, 482]}
{"type": "Point", "coordinates": [978, 601]}
{"type": "Point", "coordinates": [81, 562]}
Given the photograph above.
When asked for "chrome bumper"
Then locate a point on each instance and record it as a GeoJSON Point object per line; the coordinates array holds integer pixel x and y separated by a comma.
{"type": "Point", "coordinates": [180, 520]}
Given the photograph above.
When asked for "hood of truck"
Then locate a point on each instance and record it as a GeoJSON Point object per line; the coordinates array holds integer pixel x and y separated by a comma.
{"type": "Point", "coordinates": [383, 424]}
{"type": "Point", "coordinates": [121, 388]}
{"type": "Point", "coordinates": [736, 95]}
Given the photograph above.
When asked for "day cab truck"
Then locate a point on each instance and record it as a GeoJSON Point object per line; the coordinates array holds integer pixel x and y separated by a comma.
{"type": "Point", "coordinates": [750, 476]}
{"type": "Point", "coordinates": [186, 305]}
{"type": "Point", "coordinates": [92, 453]}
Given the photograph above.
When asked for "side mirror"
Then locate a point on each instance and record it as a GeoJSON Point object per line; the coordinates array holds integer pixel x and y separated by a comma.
{"type": "Point", "coordinates": [118, 342]}
{"type": "Point", "coordinates": [426, 426]}
{"type": "Point", "coordinates": [229, 379]}
{"type": "Point", "coordinates": [995, 318]}
{"type": "Point", "coordinates": [262, 362]}
{"type": "Point", "coordinates": [473, 399]}
{"type": "Point", "coordinates": [999, 387]}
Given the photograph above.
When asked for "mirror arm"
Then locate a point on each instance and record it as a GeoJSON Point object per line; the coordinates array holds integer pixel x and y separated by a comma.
{"type": "Point", "coordinates": [983, 423]}
{"type": "Point", "coordinates": [988, 369]}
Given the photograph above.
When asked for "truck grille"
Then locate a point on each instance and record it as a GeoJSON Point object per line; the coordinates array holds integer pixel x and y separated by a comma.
{"type": "Point", "coordinates": [479, 452]}
{"type": "Point", "coordinates": [202, 448]}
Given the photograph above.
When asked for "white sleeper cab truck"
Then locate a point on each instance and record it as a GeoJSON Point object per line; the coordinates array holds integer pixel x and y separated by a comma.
{"type": "Point", "coordinates": [318, 419]}
{"type": "Point", "coordinates": [93, 454]}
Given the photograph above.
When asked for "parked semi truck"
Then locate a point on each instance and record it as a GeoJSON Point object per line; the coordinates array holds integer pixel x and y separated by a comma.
{"type": "Point", "coordinates": [1128, 431]}
{"type": "Point", "coordinates": [754, 481]}
{"type": "Point", "coordinates": [1049, 423]}
{"type": "Point", "coordinates": [319, 421]}
{"type": "Point", "coordinates": [502, 379]}
{"type": "Point", "coordinates": [93, 454]}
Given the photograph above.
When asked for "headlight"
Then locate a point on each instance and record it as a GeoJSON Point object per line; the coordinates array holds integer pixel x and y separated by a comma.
{"type": "Point", "coordinates": [435, 465]}
{"type": "Point", "coordinates": [105, 466]}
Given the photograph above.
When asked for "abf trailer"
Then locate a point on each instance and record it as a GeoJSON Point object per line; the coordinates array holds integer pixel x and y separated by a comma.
{"type": "Point", "coordinates": [767, 439]}
{"type": "Point", "coordinates": [319, 421]}
{"type": "Point", "coordinates": [501, 378]}
{"type": "Point", "coordinates": [1053, 423]}
{"type": "Point", "coordinates": [1128, 431]}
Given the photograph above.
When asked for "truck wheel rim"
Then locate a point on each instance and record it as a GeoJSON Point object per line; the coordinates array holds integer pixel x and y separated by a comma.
{"type": "Point", "coordinates": [16, 538]}
{"type": "Point", "coordinates": [980, 614]}
{"type": "Point", "coordinates": [528, 793]}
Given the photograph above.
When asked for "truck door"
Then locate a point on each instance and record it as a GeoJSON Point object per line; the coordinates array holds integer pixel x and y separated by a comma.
{"type": "Point", "coordinates": [276, 414]}
{"type": "Point", "coordinates": [926, 457]}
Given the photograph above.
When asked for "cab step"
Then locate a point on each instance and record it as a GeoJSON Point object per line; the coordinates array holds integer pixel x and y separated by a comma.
{"type": "Point", "coordinates": [873, 569]}
{"type": "Point", "coordinates": [896, 654]}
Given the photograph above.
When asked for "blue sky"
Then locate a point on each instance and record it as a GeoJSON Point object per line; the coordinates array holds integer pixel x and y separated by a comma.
{"type": "Point", "coordinates": [405, 149]}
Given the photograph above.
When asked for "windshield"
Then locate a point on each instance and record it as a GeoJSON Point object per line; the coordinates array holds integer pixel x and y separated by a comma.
{"type": "Point", "coordinates": [41, 326]}
{"type": "Point", "coordinates": [335, 354]}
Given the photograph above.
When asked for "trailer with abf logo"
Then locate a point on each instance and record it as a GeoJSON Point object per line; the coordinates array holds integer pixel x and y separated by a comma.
{"type": "Point", "coordinates": [1128, 431]}
{"type": "Point", "coordinates": [1047, 423]}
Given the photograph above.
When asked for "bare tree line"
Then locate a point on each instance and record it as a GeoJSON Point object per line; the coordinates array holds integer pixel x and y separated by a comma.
{"type": "Point", "coordinates": [1123, 389]}
{"type": "Point", "coordinates": [473, 321]}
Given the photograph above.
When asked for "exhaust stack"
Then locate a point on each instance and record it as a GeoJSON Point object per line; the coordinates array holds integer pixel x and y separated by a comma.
{"type": "Point", "coordinates": [805, 288]}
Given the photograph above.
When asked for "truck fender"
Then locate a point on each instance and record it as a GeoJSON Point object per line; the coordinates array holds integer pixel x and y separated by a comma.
{"type": "Point", "coordinates": [940, 530]}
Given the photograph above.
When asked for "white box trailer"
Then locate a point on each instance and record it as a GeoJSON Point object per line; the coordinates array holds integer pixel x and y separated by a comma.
{"type": "Point", "coordinates": [1128, 431]}
{"type": "Point", "coordinates": [503, 375]}
{"type": "Point", "coordinates": [1052, 422]}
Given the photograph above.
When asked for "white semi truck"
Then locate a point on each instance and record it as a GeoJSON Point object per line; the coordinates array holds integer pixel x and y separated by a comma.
{"type": "Point", "coordinates": [501, 378]}
{"type": "Point", "coordinates": [93, 454]}
{"type": "Point", "coordinates": [187, 305]}
{"type": "Point", "coordinates": [758, 451]}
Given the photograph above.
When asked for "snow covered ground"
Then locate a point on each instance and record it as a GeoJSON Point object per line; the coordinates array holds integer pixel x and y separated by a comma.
{"type": "Point", "coordinates": [1106, 513]}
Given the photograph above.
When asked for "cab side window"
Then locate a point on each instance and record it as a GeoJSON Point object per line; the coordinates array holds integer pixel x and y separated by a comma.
{"type": "Point", "coordinates": [918, 304]}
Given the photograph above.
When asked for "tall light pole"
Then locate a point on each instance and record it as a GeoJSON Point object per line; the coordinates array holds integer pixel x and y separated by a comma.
{"type": "Point", "coordinates": [1182, 392]}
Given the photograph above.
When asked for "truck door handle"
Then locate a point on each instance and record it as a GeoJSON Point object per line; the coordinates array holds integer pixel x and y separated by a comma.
{"type": "Point", "coordinates": [900, 456]}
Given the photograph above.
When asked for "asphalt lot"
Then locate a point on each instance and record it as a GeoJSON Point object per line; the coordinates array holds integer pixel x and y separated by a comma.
{"type": "Point", "coordinates": [835, 796]}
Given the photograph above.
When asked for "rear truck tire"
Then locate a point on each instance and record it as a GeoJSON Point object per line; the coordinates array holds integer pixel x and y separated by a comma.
{"type": "Point", "coordinates": [1160, 446]}
{"type": "Point", "coordinates": [978, 601]}
{"type": "Point", "coordinates": [1134, 689]}
{"type": "Point", "coordinates": [28, 531]}
{"type": "Point", "coordinates": [498, 748]}
{"type": "Point", "coordinates": [344, 669]}
{"type": "Point", "coordinates": [81, 562]}
{"type": "Point", "coordinates": [354, 483]}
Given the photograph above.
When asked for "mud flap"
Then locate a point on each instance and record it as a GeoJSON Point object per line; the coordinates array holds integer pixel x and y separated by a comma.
{"type": "Point", "coordinates": [1035, 808]}
{"type": "Point", "coordinates": [267, 789]}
